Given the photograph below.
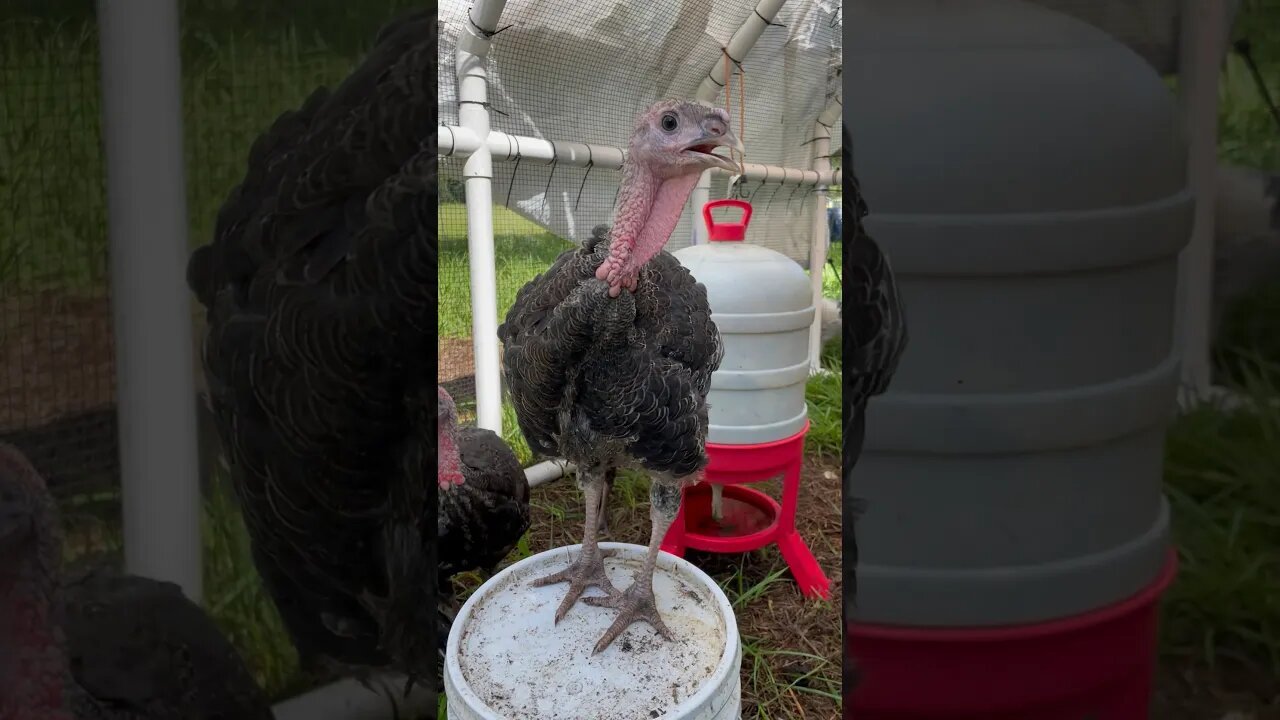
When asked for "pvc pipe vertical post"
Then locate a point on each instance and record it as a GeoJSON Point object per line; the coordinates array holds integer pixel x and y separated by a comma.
{"type": "Point", "coordinates": [739, 45]}
{"type": "Point", "coordinates": [1204, 42]}
{"type": "Point", "coordinates": [147, 229]}
{"type": "Point", "coordinates": [821, 230]}
{"type": "Point", "coordinates": [473, 114]}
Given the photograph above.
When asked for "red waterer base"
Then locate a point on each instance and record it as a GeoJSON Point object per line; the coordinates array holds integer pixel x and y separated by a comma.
{"type": "Point", "coordinates": [751, 518]}
{"type": "Point", "coordinates": [1095, 666]}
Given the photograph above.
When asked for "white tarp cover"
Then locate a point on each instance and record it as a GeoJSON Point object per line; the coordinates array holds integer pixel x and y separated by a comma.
{"type": "Point", "coordinates": [581, 70]}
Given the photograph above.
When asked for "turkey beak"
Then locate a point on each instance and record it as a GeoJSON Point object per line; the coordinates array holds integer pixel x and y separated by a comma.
{"type": "Point", "coordinates": [726, 139]}
{"type": "Point", "coordinates": [716, 134]}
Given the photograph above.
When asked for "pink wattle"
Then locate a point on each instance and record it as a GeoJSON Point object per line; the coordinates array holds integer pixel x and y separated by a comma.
{"type": "Point", "coordinates": [647, 214]}
{"type": "Point", "coordinates": [449, 464]}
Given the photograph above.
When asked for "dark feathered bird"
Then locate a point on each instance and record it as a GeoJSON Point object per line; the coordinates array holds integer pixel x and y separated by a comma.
{"type": "Point", "coordinates": [320, 293]}
{"type": "Point", "coordinates": [484, 496]}
{"type": "Point", "coordinates": [875, 335]}
{"type": "Point", "coordinates": [609, 354]}
{"type": "Point", "coordinates": [104, 645]}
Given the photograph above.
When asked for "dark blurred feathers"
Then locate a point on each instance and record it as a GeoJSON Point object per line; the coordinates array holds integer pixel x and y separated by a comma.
{"type": "Point", "coordinates": [320, 294]}
{"type": "Point", "coordinates": [140, 646]}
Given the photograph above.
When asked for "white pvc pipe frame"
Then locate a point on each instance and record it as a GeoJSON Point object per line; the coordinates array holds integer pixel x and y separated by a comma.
{"type": "Point", "coordinates": [739, 45]}
{"type": "Point", "coordinates": [473, 139]}
{"type": "Point", "coordinates": [1205, 28]}
{"type": "Point", "coordinates": [455, 141]}
{"type": "Point", "coordinates": [821, 230]}
{"type": "Point", "coordinates": [151, 307]}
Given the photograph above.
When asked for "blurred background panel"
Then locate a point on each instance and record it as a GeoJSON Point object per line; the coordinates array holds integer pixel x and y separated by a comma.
{"type": "Point", "coordinates": [244, 63]}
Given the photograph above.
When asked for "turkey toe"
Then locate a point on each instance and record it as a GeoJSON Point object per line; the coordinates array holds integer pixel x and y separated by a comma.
{"type": "Point", "coordinates": [585, 572]}
{"type": "Point", "coordinates": [636, 604]}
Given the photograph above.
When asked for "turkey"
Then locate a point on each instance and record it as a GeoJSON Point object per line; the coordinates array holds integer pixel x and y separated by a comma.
{"type": "Point", "coordinates": [103, 646]}
{"type": "Point", "coordinates": [875, 335]}
{"type": "Point", "coordinates": [484, 496]}
{"type": "Point", "coordinates": [320, 297]}
{"type": "Point", "coordinates": [608, 355]}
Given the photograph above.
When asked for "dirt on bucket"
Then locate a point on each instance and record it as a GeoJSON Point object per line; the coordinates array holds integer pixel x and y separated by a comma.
{"type": "Point", "coordinates": [522, 664]}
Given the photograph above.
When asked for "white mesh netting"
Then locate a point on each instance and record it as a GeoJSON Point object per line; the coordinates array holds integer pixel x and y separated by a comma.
{"type": "Point", "coordinates": [575, 71]}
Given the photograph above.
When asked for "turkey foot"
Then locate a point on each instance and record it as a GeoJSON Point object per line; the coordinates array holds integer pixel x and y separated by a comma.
{"type": "Point", "coordinates": [587, 571]}
{"type": "Point", "coordinates": [636, 603]}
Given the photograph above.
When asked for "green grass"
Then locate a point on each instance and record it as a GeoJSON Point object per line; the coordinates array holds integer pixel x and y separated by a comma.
{"type": "Point", "coordinates": [1247, 132]}
{"type": "Point", "coordinates": [52, 195]}
{"type": "Point", "coordinates": [523, 250]}
{"type": "Point", "coordinates": [1222, 471]}
{"type": "Point", "coordinates": [1222, 465]}
{"type": "Point", "coordinates": [52, 206]}
{"type": "Point", "coordinates": [824, 394]}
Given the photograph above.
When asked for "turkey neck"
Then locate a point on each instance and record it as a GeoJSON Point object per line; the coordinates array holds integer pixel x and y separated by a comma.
{"type": "Point", "coordinates": [649, 207]}
{"type": "Point", "coordinates": [450, 462]}
{"type": "Point", "coordinates": [35, 678]}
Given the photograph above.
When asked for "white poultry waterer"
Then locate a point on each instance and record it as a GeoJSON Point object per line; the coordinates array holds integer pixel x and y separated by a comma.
{"type": "Point", "coordinates": [762, 304]}
{"type": "Point", "coordinates": [506, 659]}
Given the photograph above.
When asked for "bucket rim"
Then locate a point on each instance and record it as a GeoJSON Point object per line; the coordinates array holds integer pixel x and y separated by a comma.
{"type": "Point", "coordinates": [729, 656]}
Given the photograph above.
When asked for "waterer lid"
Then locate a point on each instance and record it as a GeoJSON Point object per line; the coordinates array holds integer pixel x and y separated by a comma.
{"type": "Point", "coordinates": [728, 231]}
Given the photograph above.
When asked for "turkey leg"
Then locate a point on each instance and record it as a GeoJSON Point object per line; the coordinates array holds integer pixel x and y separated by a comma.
{"type": "Point", "coordinates": [588, 569]}
{"type": "Point", "coordinates": [637, 602]}
{"type": "Point", "coordinates": [604, 501]}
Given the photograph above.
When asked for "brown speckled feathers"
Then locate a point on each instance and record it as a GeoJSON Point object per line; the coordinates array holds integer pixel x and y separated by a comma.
{"type": "Point", "coordinates": [321, 299]}
{"type": "Point", "coordinates": [634, 370]}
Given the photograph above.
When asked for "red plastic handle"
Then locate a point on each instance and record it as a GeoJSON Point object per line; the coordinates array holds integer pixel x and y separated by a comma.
{"type": "Point", "coordinates": [729, 231]}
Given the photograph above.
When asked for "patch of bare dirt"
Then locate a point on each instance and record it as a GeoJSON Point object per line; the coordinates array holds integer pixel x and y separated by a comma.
{"type": "Point", "coordinates": [57, 357]}
{"type": "Point", "coordinates": [456, 359]}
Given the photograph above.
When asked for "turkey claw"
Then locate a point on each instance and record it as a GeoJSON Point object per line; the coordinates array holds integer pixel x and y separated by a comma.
{"type": "Point", "coordinates": [636, 604]}
{"type": "Point", "coordinates": [584, 572]}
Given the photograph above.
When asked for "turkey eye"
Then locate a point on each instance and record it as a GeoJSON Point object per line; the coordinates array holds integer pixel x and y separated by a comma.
{"type": "Point", "coordinates": [669, 122]}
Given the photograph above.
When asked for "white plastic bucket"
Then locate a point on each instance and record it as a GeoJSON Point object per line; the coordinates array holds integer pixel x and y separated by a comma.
{"type": "Point", "coordinates": [508, 660]}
